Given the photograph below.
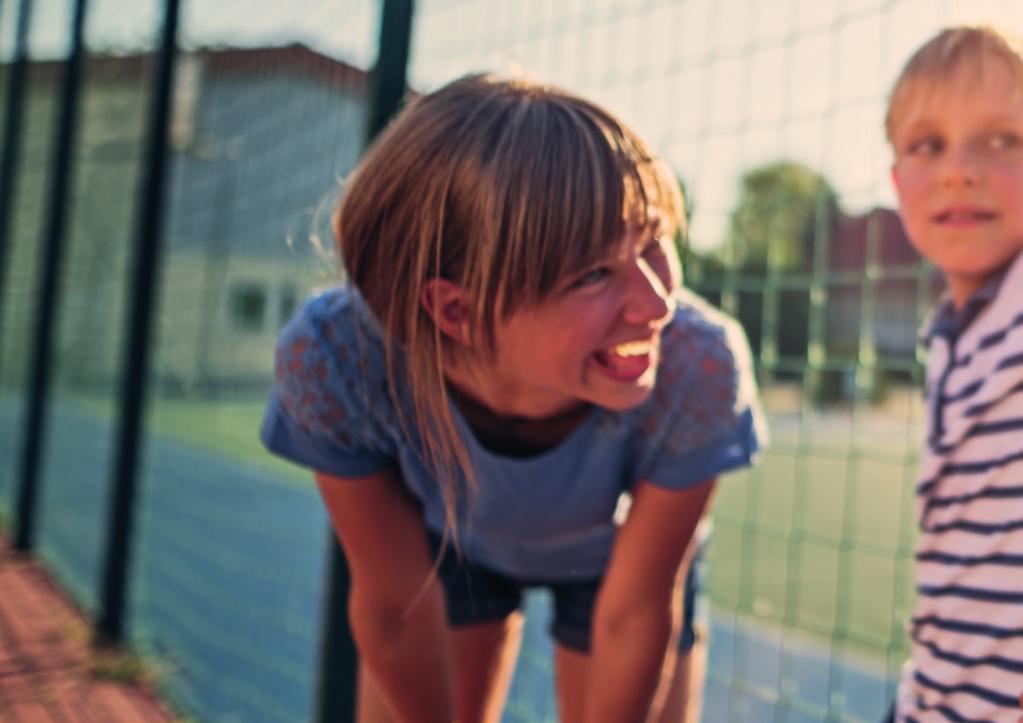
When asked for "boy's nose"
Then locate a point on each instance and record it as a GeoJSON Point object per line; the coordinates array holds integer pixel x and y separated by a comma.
{"type": "Point", "coordinates": [960, 168]}
{"type": "Point", "coordinates": [649, 300]}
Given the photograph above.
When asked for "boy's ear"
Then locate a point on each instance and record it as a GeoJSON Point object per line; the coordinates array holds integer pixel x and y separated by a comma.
{"type": "Point", "coordinates": [895, 177]}
{"type": "Point", "coordinates": [446, 304]}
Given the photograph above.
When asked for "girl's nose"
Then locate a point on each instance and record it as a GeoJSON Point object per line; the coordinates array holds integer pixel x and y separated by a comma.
{"type": "Point", "coordinates": [649, 301]}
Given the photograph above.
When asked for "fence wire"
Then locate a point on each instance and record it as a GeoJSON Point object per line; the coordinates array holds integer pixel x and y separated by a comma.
{"type": "Point", "coordinates": [770, 113]}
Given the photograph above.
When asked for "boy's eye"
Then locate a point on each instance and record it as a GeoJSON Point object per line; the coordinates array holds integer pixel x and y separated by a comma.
{"type": "Point", "coordinates": [1003, 141]}
{"type": "Point", "coordinates": [926, 146]}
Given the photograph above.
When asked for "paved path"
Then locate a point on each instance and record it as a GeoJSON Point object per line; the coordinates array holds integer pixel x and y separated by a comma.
{"type": "Point", "coordinates": [46, 663]}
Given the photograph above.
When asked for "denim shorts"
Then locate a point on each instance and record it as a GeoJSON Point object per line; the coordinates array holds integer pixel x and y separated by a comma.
{"type": "Point", "coordinates": [476, 594]}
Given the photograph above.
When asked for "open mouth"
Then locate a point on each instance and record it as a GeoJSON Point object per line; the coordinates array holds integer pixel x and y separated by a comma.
{"type": "Point", "coordinates": [626, 362]}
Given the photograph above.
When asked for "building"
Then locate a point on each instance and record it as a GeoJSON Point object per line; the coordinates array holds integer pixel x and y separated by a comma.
{"type": "Point", "coordinates": [880, 290]}
{"type": "Point", "coordinates": [261, 138]}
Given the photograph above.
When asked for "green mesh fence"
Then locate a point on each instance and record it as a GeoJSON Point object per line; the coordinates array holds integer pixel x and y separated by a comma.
{"type": "Point", "coordinates": [770, 113]}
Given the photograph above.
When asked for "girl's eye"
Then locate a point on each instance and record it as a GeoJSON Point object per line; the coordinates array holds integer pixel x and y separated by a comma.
{"type": "Point", "coordinates": [591, 277]}
{"type": "Point", "coordinates": [655, 247]}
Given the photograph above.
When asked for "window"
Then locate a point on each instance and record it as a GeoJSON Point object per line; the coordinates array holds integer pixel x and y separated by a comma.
{"type": "Point", "coordinates": [248, 306]}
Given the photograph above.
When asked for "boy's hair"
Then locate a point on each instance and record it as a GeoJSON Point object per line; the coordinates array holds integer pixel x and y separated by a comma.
{"type": "Point", "coordinates": [948, 51]}
{"type": "Point", "coordinates": [502, 186]}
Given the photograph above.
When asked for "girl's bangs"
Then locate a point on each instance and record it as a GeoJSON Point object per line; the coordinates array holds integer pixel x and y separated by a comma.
{"type": "Point", "coordinates": [595, 194]}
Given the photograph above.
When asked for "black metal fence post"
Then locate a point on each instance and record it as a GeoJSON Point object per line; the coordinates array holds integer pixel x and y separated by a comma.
{"type": "Point", "coordinates": [11, 151]}
{"type": "Point", "coordinates": [139, 321]}
{"type": "Point", "coordinates": [335, 690]}
{"type": "Point", "coordinates": [390, 76]}
{"type": "Point", "coordinates": [47, 301]}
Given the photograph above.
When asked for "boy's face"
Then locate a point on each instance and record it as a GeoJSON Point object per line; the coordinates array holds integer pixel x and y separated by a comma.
{"type": "Point", "coordinates": [958, 173]}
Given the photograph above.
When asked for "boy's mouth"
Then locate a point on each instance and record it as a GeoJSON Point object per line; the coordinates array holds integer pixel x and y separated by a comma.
{"type": "Point", "coordinates": [965, 216]}
{"type": "Point", "coordinates": [627, 361]}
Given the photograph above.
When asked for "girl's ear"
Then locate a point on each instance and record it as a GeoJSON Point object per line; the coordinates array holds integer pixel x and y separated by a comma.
{"type": "Point", "coordinates": [445, 302]}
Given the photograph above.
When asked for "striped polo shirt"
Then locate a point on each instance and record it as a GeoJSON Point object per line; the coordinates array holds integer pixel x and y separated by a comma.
{"type": "Point", "coordinates": [967, 631]}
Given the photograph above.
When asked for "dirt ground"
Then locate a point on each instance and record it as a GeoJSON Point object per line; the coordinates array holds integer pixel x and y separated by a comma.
{"type": "Point", "coordinates": [49, 671]}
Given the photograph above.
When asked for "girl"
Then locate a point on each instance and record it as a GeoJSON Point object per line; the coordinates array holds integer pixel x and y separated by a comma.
{"type": "Point", "coordinates": [511, 362]}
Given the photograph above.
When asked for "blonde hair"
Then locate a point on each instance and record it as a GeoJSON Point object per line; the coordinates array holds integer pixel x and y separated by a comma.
{"type": "Point", "coordinates": [948, 51]}
{"type": "Point", "coordinates": [502, 186]}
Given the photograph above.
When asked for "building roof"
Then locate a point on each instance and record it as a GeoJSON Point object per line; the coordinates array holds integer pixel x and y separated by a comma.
{"type": "Point", "coordinates": [240, 61]}
{"type": "Point", "coordinates": [221, 61]}
{"type": "Point", "coordinates": [854, 235]}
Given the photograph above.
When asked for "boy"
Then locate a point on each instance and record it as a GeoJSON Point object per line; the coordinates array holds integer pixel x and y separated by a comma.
{"type": "Point", "coordinates": [955, 123]}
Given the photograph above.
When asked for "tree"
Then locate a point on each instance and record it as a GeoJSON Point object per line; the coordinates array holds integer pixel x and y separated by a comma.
{"type": "Point", "coordinates": [782, 208]}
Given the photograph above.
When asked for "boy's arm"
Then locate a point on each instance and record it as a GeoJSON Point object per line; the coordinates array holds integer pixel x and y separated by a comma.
{"type": "Point", "coordinates": [632, 620]}
{"type": "Point", "coordinates": [396, 605]}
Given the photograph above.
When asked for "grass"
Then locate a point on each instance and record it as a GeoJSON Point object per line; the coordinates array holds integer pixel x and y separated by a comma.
{"type": "Point", "coordinates": [229, 428]}
{"type": "Point", "coordinates": [120, 666]}
{"type": "Point", "coordinates": [109, 662]}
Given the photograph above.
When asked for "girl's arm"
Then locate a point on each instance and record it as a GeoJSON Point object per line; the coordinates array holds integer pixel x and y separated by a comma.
{"type": "Point", "coordinates": [632, 619]}
{"type": "Point", "coordinates": [396, 605]}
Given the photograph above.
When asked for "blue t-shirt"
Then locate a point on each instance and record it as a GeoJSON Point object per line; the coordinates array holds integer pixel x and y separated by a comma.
{"type": "Point", "coordinates": [546, 517]}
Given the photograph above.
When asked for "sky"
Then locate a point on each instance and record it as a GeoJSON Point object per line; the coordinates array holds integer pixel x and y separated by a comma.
{"type": "Point", "coordinates": [716, 86]}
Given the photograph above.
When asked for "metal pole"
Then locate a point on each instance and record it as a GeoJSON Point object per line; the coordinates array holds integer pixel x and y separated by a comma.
{"type": "Point", "coordinates": [390, 76]}
{"type": "Point", "coordinates": [49, 290]}
{"type": "Point", "coordinates": [139, 322]}
{"type": "Point", "coordinates": [14, 119]}
{"type": "Point", "coordinates": [335, 690]}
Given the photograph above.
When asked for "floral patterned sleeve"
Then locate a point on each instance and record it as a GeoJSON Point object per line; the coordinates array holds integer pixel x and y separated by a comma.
{"type": "Point", "coordinates": [704, 417]}
{"type": "Point", "coordinates": [328, 406]}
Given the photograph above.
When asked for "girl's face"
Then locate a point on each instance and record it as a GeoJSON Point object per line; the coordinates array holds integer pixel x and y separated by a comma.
{"type": "Point", "coordinates": [595, 339]}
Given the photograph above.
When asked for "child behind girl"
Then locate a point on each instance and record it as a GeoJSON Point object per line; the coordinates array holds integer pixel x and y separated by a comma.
{"type": "Point", "coordinates": [511, 390]}
{"type": "Point", "coordinates": [955, 122]}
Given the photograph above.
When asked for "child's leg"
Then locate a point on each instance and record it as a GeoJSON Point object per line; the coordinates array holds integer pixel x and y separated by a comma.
{"type": "Point", "coordinates": [485, 628]}
{"type": "Point", "coordinates": [483, 661]}
{"type": "Point", "coordinates": [682, 689]}
{"type": "Point", "coordinates": [484, 656]}
{"type": "Point", "coordinates": [679, 694]}
{"type": "Point", "coordinates": [369, 702]}
{"type": "Point", "coordinates": [570, 668]}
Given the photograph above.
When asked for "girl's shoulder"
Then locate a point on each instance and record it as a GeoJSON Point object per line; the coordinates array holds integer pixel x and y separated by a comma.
{"type": "Point", "coordinates": [330, 365]}
{"type": "Point", "coordinates": [704, 342]}
{"type": "Point", "coordinates": [331, 337]}
{"type": "Point", "coordinates": [333, 319]}
{"type": "Point", "coordinates": [706, 388]}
